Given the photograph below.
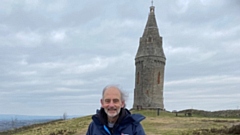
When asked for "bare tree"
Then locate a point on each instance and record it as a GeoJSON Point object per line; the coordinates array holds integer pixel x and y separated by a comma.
{"type": "Point", "coordinates": [64, 116]}
{"type": "Point", "coordinates": [14, 122]}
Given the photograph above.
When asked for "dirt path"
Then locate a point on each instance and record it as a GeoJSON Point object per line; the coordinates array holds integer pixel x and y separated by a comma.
{"type": "Point", "coordinates": [234, 124]}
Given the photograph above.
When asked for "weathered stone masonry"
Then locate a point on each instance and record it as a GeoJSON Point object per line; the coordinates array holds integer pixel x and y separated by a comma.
{"type": "Point", "coordinates": [150, 63]}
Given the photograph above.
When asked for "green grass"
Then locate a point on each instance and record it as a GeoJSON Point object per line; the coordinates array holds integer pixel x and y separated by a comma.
{"type": "Point", "coordinates": [165, 124]}
{"type": "Point", "coordinates": [168, 124]}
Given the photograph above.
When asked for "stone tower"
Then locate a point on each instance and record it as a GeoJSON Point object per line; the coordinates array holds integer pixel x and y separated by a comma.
{"type": "Point", "coordinates": [150, 64]}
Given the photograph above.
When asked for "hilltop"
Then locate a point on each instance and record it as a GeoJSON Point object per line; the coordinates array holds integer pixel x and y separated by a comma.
{"type": "Point", "coordinates": [167, 123]}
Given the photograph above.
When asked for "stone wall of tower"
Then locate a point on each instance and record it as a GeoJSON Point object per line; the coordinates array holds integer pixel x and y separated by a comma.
{"type": "Point", "coordinates": [149, 83]}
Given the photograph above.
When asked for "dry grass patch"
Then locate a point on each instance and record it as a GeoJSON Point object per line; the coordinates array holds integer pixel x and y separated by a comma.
{"type": "Point", "coordinates": [168, 124]}
{"type": "Point", "coordinates": [164, 124]}
{"type": "Point", "coordinates": [64, 127]}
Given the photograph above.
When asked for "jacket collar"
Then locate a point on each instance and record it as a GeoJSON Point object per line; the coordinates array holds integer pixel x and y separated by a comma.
{"type": "Point", "coordinates": [125, 116]}
{"type": "Point", "coordinates": [101, 117]}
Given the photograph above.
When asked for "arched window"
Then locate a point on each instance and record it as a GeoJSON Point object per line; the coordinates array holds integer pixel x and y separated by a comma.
{"type": "Point", "coordinates": [158, 79]}
{"type": "Point", "coordinates": [150, 39]}
{"type": "Point", "coordinates": [138, 78]}
{"type": "Point", "coordinates": [147, 92]}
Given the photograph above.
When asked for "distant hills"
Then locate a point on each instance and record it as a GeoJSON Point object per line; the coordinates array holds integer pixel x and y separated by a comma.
{"type": "Point", "coordinates": [32, 117]}
{"type": "Point", "coordinates": [26, 117]}
{"type": "Point", "coordinates": [12, 121]}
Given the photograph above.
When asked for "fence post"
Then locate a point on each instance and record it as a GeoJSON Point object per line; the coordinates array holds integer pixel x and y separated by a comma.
{"type": "Point", "coordinates": [158, 111]}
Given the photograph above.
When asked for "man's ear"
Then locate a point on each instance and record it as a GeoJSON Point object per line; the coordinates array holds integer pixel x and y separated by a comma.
{"type": "Point", "coordinates": [101, 100]}
{"type": "Point", "coordinates": [123, 104]}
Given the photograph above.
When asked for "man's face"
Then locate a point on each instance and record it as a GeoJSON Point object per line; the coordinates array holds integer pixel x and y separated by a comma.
{"type": "Point", "coordinates": [112, 102]}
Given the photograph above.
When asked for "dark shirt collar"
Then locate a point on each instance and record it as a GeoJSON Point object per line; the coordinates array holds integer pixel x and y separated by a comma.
{"type": "Point", "coordinates": [103, 119]}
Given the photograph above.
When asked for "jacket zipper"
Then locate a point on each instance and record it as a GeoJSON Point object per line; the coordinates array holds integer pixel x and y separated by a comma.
{"type": "Point", "coordinates": [107, 130]}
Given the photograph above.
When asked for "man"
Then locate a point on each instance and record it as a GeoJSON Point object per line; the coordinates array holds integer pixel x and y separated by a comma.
{"type": "Point", "coordinates": [113, 118]}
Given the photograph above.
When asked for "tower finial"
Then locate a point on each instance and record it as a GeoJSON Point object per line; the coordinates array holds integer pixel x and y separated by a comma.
{"type": "Point", "coordinates": [152, 2]}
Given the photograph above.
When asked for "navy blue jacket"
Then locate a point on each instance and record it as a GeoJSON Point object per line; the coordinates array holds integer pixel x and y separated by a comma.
{"type": "Point", "coordinates": [127, 124]}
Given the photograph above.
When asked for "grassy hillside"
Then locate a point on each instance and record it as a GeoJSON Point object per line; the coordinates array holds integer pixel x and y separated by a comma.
{"type": "Point", "coordinates": [165, 124]}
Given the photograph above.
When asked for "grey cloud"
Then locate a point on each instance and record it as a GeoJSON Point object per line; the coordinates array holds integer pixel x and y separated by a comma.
{"type": "Point", "coordinates": [61, 54]}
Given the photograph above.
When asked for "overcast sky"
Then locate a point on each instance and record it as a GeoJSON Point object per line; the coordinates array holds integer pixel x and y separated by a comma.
{"type": "Point", "coordinates": [56, 56]}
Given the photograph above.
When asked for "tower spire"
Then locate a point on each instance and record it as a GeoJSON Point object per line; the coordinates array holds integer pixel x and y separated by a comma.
{"type": "Point", "coordinates": [152, 2]}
